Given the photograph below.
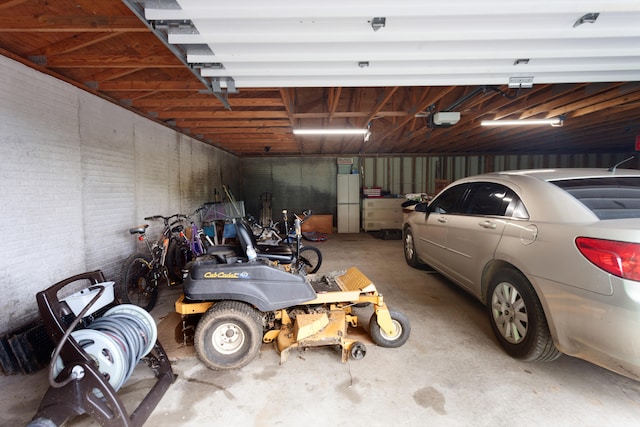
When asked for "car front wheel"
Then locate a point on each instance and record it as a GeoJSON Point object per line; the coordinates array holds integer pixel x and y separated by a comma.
{"type": "Point", "coordinates": [517, 318]}
{"type": "Point", "coordinates": [410, 255]}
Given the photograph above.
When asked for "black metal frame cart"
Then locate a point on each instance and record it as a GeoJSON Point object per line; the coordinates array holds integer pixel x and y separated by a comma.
{"type": "Point", "coordinates": [80, 387]}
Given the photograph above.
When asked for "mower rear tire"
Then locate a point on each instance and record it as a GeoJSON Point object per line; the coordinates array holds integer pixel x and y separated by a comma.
{"type": "Point", "coordinates": [228, 335]}
{"type": "Point", "coordinates": [400, 335]}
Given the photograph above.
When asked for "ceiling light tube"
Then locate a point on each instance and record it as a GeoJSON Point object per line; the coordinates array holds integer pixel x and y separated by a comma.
{"type": "Point", "coordinates": [553, 122]}
{"type": "Point", "coordinates": [330, 131]}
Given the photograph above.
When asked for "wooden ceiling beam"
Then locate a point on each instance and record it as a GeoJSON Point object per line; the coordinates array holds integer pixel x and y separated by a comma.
{"type": "Point", "coordinates": [243, 124]}
{"type": "Point", "coordinates": [430, 96]}
{"type": "Point", "coordinates": [255, 130]}
{"type": "Point", "coordinates": [114, 61]}
{"type": "Point", "coordinates": [349, 114]}
{"type": "Point", "coordinates": [139, 85]}
{"type": "Point", "coordinates": [208, 102]}
{"type": "Point", "coordinates": [380, 104]}
{"type": "Point", "coordinates": [11, 3]}
{"type": "Point", "coordinates": [247, 137]}
{"type": "Point", "coordinates": [288, 100]}
{"type": "Point", "coordinates": [257, 146]}
{"type": "Point", "coordinates": [225, 114]}
{"type": "Point", "coordinates": [562, 104]}
{"type": "Point", "coordinates": [500, 106]}
{"type": "Point", "coordinates": [114, 73]}
{"type": "Point", "coordinates": [607, 99]}
{"type": "Point", "coordinates": [71, 24]}
{"type": "Point", "coordinates": [333, 100]}
{"type": "Point", "coordinates": [73, 43]}
{"type": "Point", "coordinates": [288, 96]}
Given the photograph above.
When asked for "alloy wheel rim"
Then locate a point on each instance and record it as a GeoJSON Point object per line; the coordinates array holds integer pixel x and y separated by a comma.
{"type": "Point", "coordinates": [509, 313]}
{"type": "Point", "coordinates": [408, 246]}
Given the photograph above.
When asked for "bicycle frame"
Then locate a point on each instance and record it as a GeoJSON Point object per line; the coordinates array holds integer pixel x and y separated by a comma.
{"type": "Point", "coordinates": [143, 273]}
{"type": "Point", "coordinates": [197, 239]}
{"type": "Point", "coordinates": [160, 257]}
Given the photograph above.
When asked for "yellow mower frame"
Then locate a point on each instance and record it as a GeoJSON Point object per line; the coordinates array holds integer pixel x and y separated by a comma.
{"type": "Point", "coordinates": [327, 326]}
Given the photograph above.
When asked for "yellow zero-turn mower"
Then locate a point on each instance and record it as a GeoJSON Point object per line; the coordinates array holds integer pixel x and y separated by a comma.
{"type": "Point", "coordinates": [246, 304]}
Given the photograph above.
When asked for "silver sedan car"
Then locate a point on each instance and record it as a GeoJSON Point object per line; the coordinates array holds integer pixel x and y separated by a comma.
{"type": "Point", "coordinates": [553, 254]}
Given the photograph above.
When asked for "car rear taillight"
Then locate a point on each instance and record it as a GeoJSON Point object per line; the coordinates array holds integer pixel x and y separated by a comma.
{"type": "Point", "coordinates": [621, 259]}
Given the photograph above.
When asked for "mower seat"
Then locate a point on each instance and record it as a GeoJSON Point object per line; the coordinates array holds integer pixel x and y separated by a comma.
{"type": "Point", "coordinates": [283, 255]}
{"type": "Point", "coordinates": [225, 254]}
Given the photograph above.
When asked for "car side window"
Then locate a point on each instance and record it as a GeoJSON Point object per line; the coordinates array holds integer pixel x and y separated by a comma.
{"type": "Point", "coordinates": [491, 199]}
{"type": "Point", "coordinates": [448, 201]}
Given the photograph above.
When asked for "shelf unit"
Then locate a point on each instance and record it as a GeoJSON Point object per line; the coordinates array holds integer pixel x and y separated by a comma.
{"type": "Point", "coordinates": [381, 213]}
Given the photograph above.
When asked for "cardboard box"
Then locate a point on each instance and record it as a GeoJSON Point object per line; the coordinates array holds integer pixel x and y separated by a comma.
{"type": "Point", "coordinates": [319, 223]}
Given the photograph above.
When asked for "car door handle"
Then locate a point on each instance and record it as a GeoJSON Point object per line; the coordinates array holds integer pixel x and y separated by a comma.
{"type": "Point", "coordinates": [442, 219]}
{"type": "Point", "coordinates": [487, 224]}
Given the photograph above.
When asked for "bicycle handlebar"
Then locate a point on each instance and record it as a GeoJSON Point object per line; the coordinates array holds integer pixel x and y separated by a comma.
{"type": "Point", "coordinates": [166, 218]}
{"type": "Point", "coordinates": [305, 215]}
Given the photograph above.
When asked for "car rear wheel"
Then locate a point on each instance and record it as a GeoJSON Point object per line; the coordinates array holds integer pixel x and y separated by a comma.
{"type": "Point", "coordinates": [517, 318]}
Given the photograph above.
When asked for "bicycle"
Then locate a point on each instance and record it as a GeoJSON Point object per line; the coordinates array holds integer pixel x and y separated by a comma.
{"type": "Point", "coordinates": [309, 258]}
{"type": "Point", "coordinates": [197, 240]}
{"type": "Point", "coordinates": [142, 274]}
{"type": "Point", "coordinates": [265, 235]}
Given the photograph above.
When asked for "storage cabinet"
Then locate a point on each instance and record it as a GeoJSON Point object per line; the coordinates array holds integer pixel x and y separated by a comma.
{"type": "Point", "coordinates": [348, 203]}
{"type": "Point", "coordinates": [379, 214]}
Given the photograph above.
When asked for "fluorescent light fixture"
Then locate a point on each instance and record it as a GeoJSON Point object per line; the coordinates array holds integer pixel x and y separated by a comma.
{"type": "Point", "coordinates": [330, 131]}
{"type": "Point", "coordinates": [524, 122]}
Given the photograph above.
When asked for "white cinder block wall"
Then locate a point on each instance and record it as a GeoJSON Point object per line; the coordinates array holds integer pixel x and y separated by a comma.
{"type": "Point", "coordinates": [76, 172]}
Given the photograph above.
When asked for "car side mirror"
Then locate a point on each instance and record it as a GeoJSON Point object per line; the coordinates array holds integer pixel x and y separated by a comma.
{"type": "Point", "coordinates": [422, 207]}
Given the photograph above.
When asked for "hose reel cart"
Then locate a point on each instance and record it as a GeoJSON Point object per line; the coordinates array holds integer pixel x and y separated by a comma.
{"type": "Point", "coordinates": [90, 364]}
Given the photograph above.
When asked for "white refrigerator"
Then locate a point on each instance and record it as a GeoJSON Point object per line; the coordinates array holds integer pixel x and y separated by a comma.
{"type": "Point", "coordinates": [348, 203]}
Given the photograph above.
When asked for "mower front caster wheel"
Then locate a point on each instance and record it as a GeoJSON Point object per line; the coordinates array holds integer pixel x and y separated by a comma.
{"type": "Point", "coordinates": [400, 335]}
{"type": "Point", "coordinates": [357, 350]}
{"type": "Point", "coordinates": [228, 335]}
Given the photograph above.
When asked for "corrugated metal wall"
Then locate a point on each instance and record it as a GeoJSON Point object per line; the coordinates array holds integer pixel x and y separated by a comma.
{"type": "Point", "coordinates": [297, 184]}
{"type": "Point", "coordinates": [402, 175]}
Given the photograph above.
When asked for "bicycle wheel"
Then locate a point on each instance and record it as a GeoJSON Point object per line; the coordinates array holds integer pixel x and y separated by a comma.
{"type": "Point", "coordinates": [310, 259]}
{"type": "Point", "coordinates": [178, 255]}
{"type": "Point", "coordinates": [137, 285]}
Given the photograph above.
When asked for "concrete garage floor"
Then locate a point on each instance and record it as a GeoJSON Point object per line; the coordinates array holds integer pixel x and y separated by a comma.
{"type": "Point", "coordinates": [451, 372]}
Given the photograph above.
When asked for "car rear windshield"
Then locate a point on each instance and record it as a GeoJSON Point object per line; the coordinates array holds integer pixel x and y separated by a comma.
{"type": "Point", "coordinates": [610, 197]}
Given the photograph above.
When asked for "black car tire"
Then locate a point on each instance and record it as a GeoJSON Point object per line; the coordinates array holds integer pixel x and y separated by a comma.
{"type": "Point", "coordinates": [517, 318]}
{"type": "Point", "coordinates": [228, 335]}
{"type": "Point", "coordinates": [410, 255]}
